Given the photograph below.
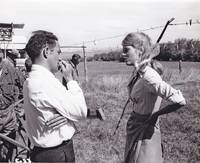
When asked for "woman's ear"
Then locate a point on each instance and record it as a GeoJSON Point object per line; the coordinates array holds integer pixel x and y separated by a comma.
{"type": "Point", "coordinates": [140, 51]}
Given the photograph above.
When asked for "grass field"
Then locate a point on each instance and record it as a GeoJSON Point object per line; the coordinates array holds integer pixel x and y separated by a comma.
{"type": "Point", "coordinates": [106, 88]}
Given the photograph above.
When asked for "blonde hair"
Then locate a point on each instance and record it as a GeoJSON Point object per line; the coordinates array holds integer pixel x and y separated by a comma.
{"type": "Point", "coordinates": [157, 66]}
{"type": "Point", "coordinates": [143, 42]}
{"type": "Point", "coordinates": [140, 41]}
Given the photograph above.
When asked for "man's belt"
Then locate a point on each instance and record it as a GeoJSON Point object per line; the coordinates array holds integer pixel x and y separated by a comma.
{"type": "Point", "coordinates": [48, 148]}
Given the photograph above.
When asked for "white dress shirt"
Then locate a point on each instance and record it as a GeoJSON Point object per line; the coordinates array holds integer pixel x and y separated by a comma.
{"type": "Point", "coordinates": [44, 95]}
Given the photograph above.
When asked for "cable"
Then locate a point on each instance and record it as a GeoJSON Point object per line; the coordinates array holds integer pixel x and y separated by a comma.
{"type": "Point", "coordinates": [143, 30]}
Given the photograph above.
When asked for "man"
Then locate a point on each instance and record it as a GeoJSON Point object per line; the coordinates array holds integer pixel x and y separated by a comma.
{"type": "Point", "coordinates": [74, 62]}
{"type": "Point", "coordinates": [11, 83]}
{"type": "Point", "coordinates": [28, 65]}
{"type": "Point", "coordinates": [45, 97]}
{"type": "Point", "coordinates": [76, 58]}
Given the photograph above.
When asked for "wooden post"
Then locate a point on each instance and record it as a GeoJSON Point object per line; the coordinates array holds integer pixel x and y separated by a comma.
{"type": "Point", "coordinates": [4, 57]}
{"type": "Point", "coordinates": [85, 63]}
{"type": "Point", "coordinates": [180, 66]}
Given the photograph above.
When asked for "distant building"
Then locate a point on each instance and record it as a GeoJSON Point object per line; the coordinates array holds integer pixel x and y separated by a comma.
{"type": "Point", "coordinates": [15, 53]}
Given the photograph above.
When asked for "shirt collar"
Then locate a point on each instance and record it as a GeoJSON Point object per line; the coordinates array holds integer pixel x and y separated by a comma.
{"type": "Point", "coordinates": [143, 71]}
{"type": "Point", "coordinates": [42, 69]}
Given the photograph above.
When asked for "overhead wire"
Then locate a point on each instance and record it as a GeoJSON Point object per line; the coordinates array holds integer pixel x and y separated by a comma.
{"type": "Point", "coordinates": [143, 30]}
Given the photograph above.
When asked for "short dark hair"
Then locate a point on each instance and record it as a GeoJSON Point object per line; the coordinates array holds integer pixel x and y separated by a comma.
{"type": "Point", "coordinates": [76, 56]}
{"type": "Point", "coordinates": [39, 40]}
{"type": "Point", "coordinates": [28, 64]}
{"type": "Point", "coordinates": [76, 59]}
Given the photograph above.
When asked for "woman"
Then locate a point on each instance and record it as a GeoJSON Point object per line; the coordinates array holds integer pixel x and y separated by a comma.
{"type": "Point", "coordinates": [146, 90]}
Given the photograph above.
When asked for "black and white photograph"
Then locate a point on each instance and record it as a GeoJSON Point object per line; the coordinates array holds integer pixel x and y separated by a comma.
{"type": "Point", "coordinates": [100, 81]}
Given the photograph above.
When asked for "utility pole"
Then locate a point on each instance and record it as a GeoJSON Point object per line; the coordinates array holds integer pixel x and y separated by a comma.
{"type": "Point", "coordinates": [85, 63]}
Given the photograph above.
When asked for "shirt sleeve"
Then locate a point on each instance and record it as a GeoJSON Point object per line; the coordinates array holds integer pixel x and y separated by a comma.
{"type": "Point", "coordinates": [156, 85]}
{"type": "Point", "coordinates": [69, 103]}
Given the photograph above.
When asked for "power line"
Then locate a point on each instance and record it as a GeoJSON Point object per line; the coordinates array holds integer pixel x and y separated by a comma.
{"type": "Point", "coordinates": [143, 30]}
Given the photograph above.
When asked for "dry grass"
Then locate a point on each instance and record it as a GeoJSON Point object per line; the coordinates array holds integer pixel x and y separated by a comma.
{"type": "Point", "coordinates": [180, 130]}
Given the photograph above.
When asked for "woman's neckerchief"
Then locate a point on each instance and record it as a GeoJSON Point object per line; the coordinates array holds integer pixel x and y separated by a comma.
{"type": "Point", "coordinates": [136, 74]}
{"type": "Point", "coordinates": [134, 77]}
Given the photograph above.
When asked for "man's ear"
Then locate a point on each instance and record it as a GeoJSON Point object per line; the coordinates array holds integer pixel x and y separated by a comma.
{"type": "Point", "coordinates": [45, 52]}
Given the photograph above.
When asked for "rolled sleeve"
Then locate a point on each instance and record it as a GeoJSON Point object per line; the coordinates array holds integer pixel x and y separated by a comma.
{"type": "Point", "coordinates": [169, 93]}
{"type": "Point", "coordinates": [69, 103]}
{"type": "Point", "coordinates": [73, 86]}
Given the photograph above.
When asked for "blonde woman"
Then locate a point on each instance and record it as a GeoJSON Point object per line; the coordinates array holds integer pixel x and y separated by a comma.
{"type": "Point", "coordinates": [146, 90]}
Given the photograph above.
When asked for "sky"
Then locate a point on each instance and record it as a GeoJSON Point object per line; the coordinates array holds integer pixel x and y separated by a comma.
{"type": "Point", "coordinates": [78, 21]}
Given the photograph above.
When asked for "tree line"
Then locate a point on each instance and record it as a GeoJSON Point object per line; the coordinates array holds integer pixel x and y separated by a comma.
{"type": "Point", "coordinates": [181, 49]}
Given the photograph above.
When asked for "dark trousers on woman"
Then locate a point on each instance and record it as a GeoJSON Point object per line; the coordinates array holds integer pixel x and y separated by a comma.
{"type": "Point", "coordinates": [62, 153]}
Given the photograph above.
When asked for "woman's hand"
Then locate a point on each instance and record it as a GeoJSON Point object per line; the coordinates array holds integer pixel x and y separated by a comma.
{"type": "Point", "coordinates": [152, 119]}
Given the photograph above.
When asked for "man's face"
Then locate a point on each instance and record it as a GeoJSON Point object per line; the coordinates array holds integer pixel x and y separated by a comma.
{"type": "Point", "coordinates": [53, 57]}
{"type": "Point", "coordinates": [77, 61]}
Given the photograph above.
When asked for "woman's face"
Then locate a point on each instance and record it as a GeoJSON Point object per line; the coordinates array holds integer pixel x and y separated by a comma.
{"type": "Point", "coordinates": [132, 55]}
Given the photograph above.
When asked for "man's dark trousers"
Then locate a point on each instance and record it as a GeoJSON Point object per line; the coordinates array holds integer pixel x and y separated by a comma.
{"type": "Point", "coordinates": [62, 153]}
